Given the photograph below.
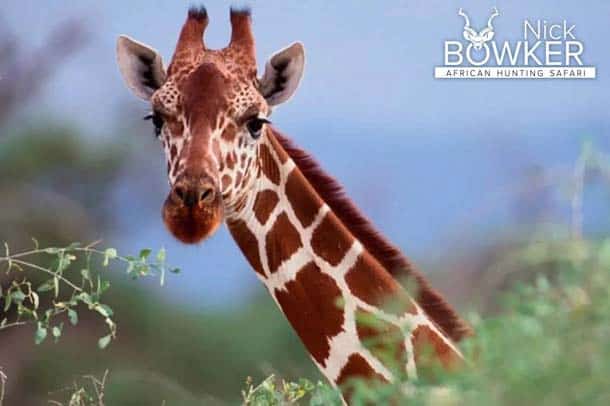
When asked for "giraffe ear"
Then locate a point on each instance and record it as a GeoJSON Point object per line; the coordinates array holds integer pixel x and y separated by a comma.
{"type": "Point", "coordinates": [141, 67]}
{"type": "Point", "coordinates": [283, 72]}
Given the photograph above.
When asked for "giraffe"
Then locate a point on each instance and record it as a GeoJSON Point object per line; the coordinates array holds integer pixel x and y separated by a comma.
{"type": "Point", "coordinates": [320, 258]}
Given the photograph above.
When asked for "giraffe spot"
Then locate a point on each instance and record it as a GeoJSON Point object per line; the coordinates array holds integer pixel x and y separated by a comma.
{"type": "Point", "coordinates": [229, 132]}
{"type": "Point", "coordinates": [302, 197]}
{"type": "Point", "coordinates": [264, 204]}
{"type": "Point", "coordinates": [371, 283]}
{"type": "Point", "coordinates": [356, 367]}
{"type": "Point", "coordinates": [331, 240]}
{"type": "Point", "coordinates": [230, 161]}
{"type": "Point", "coordinates": [268, 164]}
{"type": "Point", "coordinates": [226, 181]}
{"type": "Point", "coordinates": [175, 126]}
{"type": "Point", "coordinates": [384, 340]}
{"type": "Point", "coordinates": [310, 302]}
{"type": "Point", "coordinates": [173, 152]}
{"type": "Point", "coordinates": [214, 122]}
{"type": "Point", "coordinates": [238, 178]}
{"type": "Point", "coordinates": [282, 241]}
{"type": "Point", "coordinates": [247, 242]}
{"type": "Point", "coordinates": [429, 349]}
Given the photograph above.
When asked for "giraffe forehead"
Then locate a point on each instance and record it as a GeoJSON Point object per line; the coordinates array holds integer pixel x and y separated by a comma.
{"type": "Point", "coordinates": [239, 89]}
{"type": "Point", "coordinates": [239, 72]}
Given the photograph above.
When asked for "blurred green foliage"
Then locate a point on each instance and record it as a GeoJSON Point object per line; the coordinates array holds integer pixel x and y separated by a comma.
{"type": "Point", "coordinates": [54, 184]}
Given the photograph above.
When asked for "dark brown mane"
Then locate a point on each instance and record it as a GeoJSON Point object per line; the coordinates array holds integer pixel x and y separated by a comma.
{"type": "Point", "coordinates": [377, 245]}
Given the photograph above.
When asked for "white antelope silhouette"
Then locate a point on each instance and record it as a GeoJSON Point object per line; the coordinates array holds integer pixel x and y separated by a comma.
{"type": "Point", "coordinates": [479, 38]}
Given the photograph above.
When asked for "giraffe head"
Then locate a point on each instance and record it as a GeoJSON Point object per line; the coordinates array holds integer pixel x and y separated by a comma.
{"type": "Point", "coordinates": [209, 110]}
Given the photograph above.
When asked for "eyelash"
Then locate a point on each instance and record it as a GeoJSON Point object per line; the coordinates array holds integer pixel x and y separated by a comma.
{"type": "Point", "coordinates": [255, 126]}
{"type": "Point", "coordinates": [157, 122]}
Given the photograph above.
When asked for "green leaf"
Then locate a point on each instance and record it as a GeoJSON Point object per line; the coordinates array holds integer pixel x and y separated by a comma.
{"type": "Point", "coordinates": [144, 253]}
{"type": "Point", "coordinates": [18, 295]}
{"type": "Point", "coordinates": [174, 270]}
{"type": "Point", "coordinates": [104, 310]}
{"type": "Point", "coordinates": [85, 298]}
{"type": "Point", "coordinates": [73, 317]}
{"type": "Point", "coordinates": [45, 286]}
{"type": "Point", "coordinates": [56, 331]}
{"type": "Point", "coordinates": [104, 285]}
{"type": "Point", "coordinates": [85, 274]}
{"type": "Point", "coordinates": [142, 269]}
{"type": "Point", "coordinates": [109, 254]}
{"type": "Point", "coordinates": [26, 311]}
{"type": "Point", "coordinates": [104, 341]}
{"type": "Point", "coordinates": [41, 333]}
{"type": "Point", "coordinates": [161, 255]}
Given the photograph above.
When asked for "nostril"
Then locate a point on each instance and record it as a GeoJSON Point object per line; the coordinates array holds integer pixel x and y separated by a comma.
{"type": "Point", "coordinates": [207, 195]}
{"type": "Point", "coordinates": [193, 193]}
{"type": "Point", "coordinates": [179, 191]}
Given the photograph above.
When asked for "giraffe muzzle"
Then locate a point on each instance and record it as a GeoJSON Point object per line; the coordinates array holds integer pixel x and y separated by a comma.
{"type": "Point", "coordinates": [193, 209]}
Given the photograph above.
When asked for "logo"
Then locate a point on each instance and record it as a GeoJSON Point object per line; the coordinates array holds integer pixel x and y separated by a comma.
{"type": "Point", "coordinates": [479, 38]}
{"type": "Point", "coordinates": [547, 50]}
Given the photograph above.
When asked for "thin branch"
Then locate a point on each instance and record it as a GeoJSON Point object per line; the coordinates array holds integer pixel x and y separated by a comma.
{"type": "Point", "coordinates": [45, 270]}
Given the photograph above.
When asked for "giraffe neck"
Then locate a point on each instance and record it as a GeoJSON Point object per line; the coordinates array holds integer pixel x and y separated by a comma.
{"type": "Point", "coordinates": [325, 280]}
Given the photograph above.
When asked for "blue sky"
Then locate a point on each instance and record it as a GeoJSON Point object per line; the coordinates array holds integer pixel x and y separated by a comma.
{"type": "Point", "coordinates": [368, 65]}
{"type": "Point", "coordinates": [437, 156]}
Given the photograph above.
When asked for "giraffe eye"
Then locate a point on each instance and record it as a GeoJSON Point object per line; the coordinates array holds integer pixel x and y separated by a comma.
{"type": "Point", "coordinates": [157, 120]}
{"type": "Point", "coordinates": [255, 126]}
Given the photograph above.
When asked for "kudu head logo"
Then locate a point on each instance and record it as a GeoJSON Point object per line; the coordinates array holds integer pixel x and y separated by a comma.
{"type": "Point", "coordinates": [479, 38]}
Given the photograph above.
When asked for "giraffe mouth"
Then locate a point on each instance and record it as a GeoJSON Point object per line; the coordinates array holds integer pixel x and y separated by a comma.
{"type": "Point", "coordinates": [192, 223]}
